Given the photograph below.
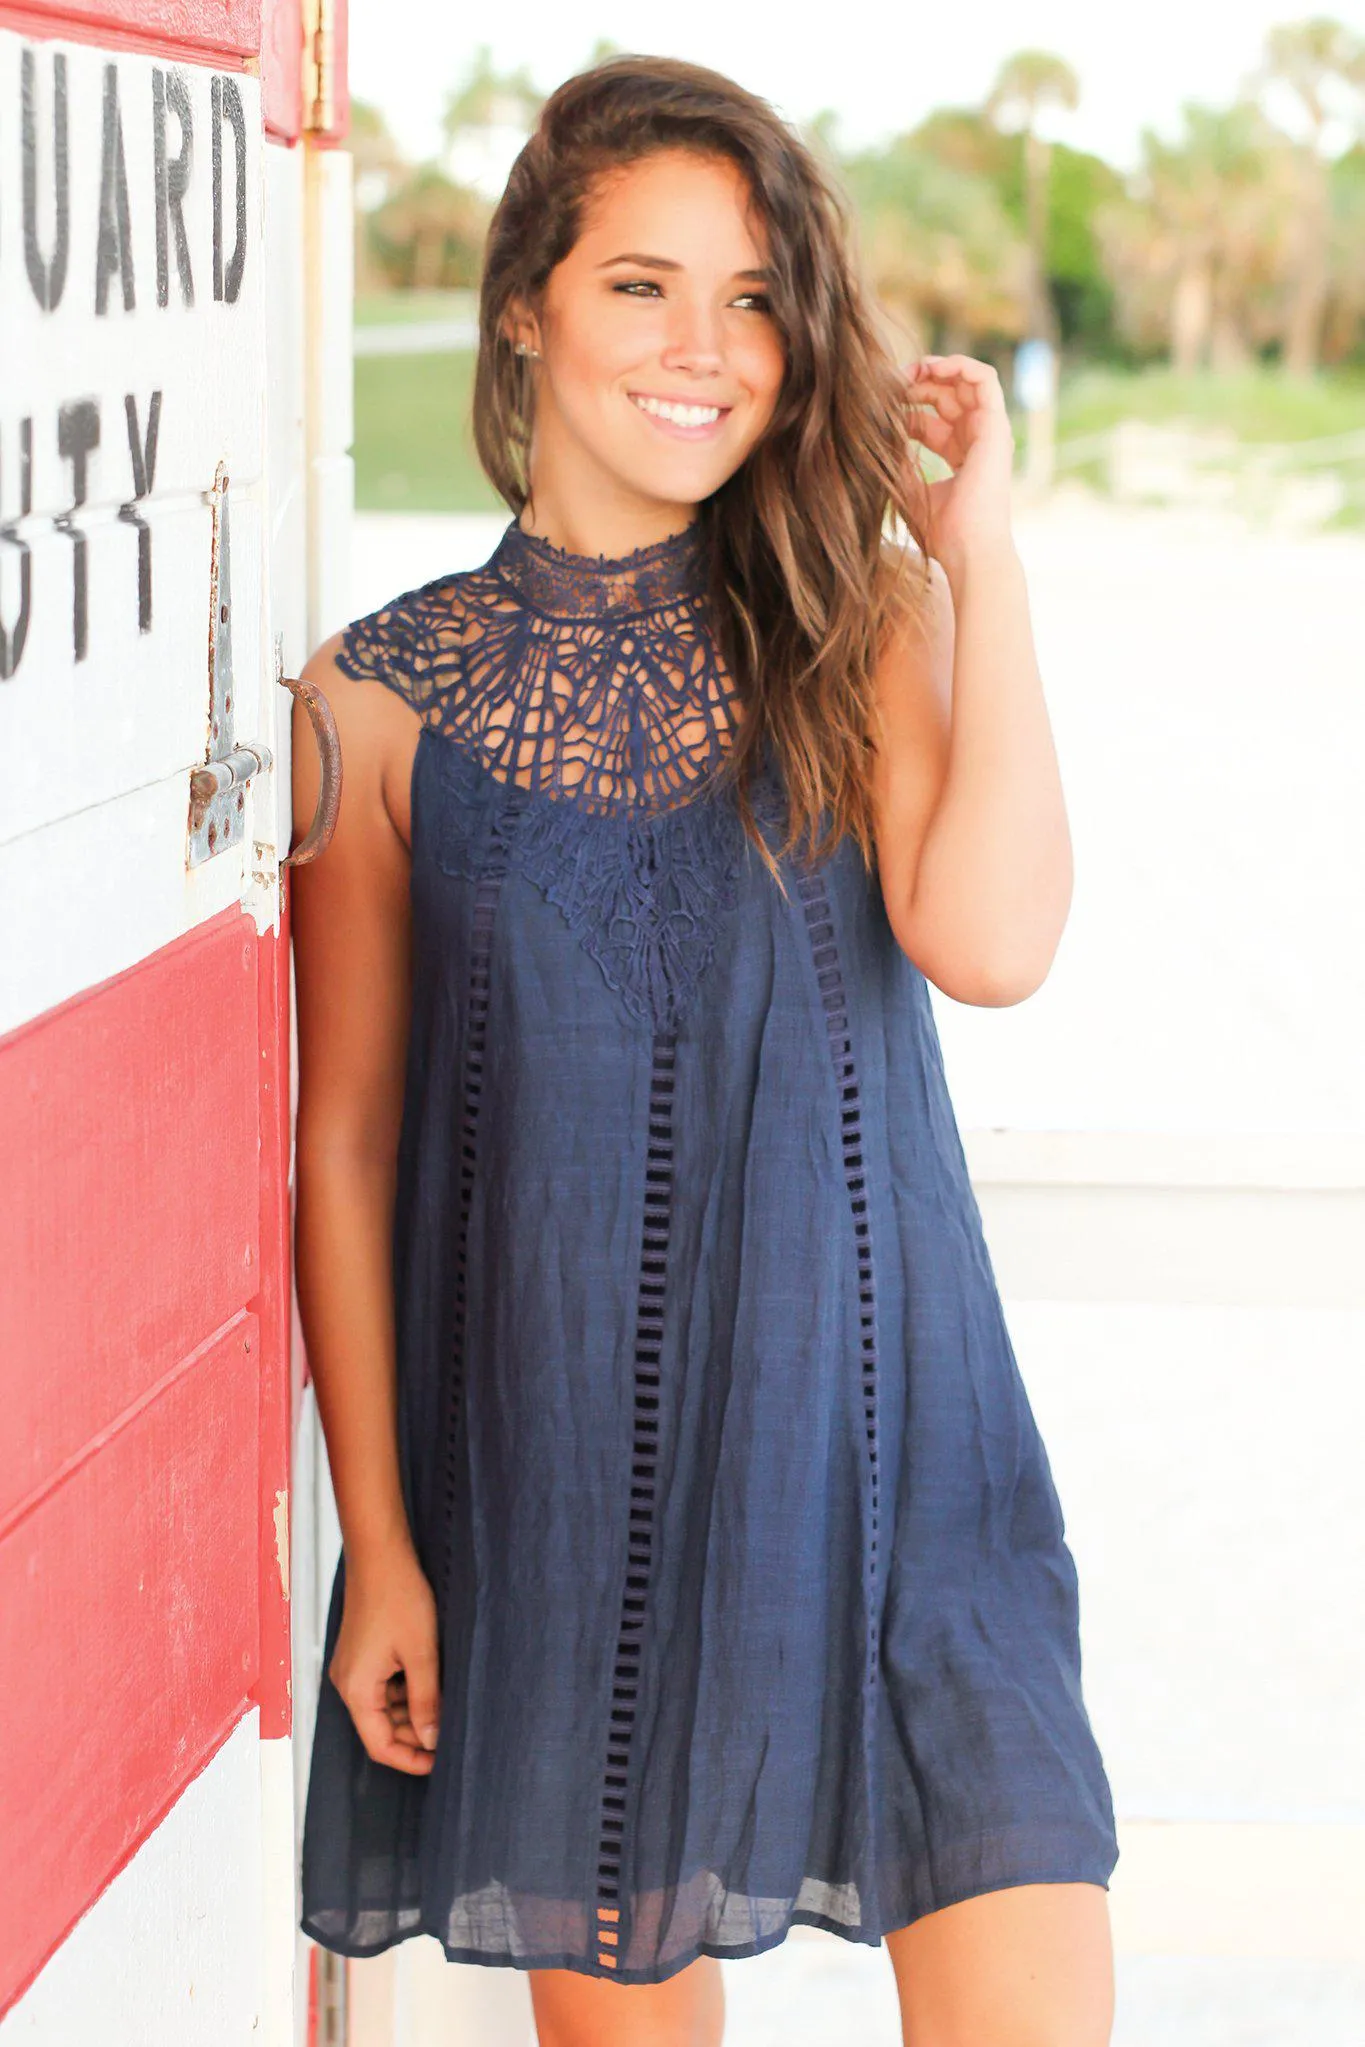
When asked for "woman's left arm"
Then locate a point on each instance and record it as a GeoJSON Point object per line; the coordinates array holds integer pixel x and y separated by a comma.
{"type": "Point", "coordinates": [973, 844]}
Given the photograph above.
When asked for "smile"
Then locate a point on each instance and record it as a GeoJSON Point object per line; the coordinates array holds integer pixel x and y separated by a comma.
{"type": "Point", "coordinates": [691, 420]}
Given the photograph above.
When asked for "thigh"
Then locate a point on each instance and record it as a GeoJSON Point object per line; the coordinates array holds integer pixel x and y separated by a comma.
{"type": "Point", "coordinates": [1026, 1967]}
{"type": "Point", "coordinates": [572, 2010]}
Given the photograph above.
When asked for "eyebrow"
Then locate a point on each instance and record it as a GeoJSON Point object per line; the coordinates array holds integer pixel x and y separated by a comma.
{"type": "Point", "coordinates": [666, 263]}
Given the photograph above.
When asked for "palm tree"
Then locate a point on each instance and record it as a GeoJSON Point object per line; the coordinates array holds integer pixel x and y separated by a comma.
{"type": "Point", "coordinates": [940, 251]}
{"type": "Point", "coordinates": [1316, 59]}
{"type": "Point", "coordinates": [1207, 236]}
{"type": "Point", "coordinates": [429, 235]}
{"type": "Point", "coordinates": [377, 168]}
{"type": "Point", "coordinates": [1026, 83]}
{"type": "Point", "coordinates": [486, 98]}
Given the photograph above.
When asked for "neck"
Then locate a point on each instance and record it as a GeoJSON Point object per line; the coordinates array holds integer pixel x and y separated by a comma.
{"type": "Point", "coordinates": [592, 513]}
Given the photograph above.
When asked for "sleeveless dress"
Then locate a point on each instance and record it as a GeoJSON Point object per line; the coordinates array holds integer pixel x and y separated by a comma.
{"type": "Point", "coordinates": [755, 1605]}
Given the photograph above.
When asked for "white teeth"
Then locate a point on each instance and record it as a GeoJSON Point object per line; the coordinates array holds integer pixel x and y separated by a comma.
{"type": "Point", "coordinates": [681, 415]}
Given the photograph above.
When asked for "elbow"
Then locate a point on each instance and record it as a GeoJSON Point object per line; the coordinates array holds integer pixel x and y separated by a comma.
{"type": "Point", "coordinates": [986, 988]}
{"type": "Point", "coordinates": [981, 979]}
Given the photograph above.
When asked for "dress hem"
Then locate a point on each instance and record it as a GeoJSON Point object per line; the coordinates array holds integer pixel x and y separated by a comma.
{"type": "Point", "coordinates": [801, 1916]}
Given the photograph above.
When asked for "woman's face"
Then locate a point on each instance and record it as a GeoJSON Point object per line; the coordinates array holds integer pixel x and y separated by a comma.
{"type": "Point", "coordinates": [661, 362]}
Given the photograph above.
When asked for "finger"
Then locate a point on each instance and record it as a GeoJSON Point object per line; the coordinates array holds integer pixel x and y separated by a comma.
{"type": "Point", "coordinates": [382, 1745]}
{"type": "Point", "coordinates": [934, 433]}
{"type": "Point", "coordinates": [423, 1690]}
{"type": "Point", "coordinates": [948, 402]}
{"type": "Point", "coordinates": [400, 1719]}
{"type": "Point", "coordinates": [971, 380]}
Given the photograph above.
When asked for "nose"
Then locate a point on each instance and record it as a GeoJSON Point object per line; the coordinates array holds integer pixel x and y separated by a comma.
{"type": "Point", "coordinates": [695, 341]}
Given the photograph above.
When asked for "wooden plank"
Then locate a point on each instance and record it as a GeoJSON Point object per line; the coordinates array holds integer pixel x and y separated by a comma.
{"type": "Point", "coordinates": [272, 1306]}
{"type": "Point", "coordinates": [128, 1635]}
{"type": "Point", "coordinates": [225, 31]}
{"type": "Point", "coordinates": [282, 69]}
{"type": "Point", "coordinates": [129, 1218]}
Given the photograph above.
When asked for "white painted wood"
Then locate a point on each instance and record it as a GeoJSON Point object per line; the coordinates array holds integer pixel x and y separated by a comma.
{"type": "Point", "coordinates": [279, 1944]}
{"type": "Point", "coordinates": [286, 535]}
{"type": "Point", "coordinates": [330, 424]}
{"type": "Point", "coordinates": [101, 723]}
{"type": "Point", "coordinates": [79, 734]}
{"type": "Point", "coordinates": [97, 892]}
{"type": "Point", "coordinates": [206, 358]}
{"type": "Point", "coordinates": [170, 1954]}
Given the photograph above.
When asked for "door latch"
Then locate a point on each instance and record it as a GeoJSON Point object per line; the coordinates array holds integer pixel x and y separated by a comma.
{"type": "Point", "coordinates": [217, 817]}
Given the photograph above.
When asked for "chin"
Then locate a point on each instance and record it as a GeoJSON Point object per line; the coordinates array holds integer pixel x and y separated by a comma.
{"type": "Point", "coordinates": [681, 483]}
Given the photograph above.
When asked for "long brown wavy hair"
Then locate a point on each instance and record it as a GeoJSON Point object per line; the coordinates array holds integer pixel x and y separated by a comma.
{"type": "Point", "coordinates": [802, 579]}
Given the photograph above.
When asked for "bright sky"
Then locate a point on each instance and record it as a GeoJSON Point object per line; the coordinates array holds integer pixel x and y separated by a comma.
{"type": "Point", "coordinates": [879, 68]}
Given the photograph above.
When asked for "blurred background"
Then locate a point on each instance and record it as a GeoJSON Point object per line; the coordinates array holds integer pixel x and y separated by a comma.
{"type": "Point", "coordinates": [221, 441]}
{"type": "Point", "coordinates": [1153, 225]}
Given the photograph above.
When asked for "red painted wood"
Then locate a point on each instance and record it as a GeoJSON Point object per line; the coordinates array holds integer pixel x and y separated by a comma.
{"type": "Point", "coordinates": [130, 1205]}
{"type": "Point", "coordinates": [272, 1306]}
{"type": "Point", "coordinates": [282, 68]}
{"type": "Point", "coordinates": [128, 1638]}
{"type": "Point", "coordinates": [222, 32]}
{"type": "Point", "coordinates": [144, 1245]}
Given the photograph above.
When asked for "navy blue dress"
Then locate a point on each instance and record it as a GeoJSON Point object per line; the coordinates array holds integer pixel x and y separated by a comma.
{"type": "Point", "coordinates": [755, 1602]}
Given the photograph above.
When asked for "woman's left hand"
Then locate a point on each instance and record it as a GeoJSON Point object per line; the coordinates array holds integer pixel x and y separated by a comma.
{"type": "Point", "coordinates": [970, 429]}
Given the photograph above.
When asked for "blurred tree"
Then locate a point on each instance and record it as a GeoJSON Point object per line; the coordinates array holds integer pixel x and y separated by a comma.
{"type": "Point", "coordinates": [1321, 62]}
{"type": "Point", "coordinates": [1343, 338]}
{"type": "Point", "coordinates": [1081, 289]}
{"type": "Point", "coordinates": [938, 247]}
{"type": "Point", "coordinates": [377, 167]}
{"type": "Point", "coordinates": [1197, 246]}
{"type": "Point", "coordinates": [488, 98]}
{"type": "Point", "coordinates": [1028, 83]}
{"type": "Point", "coordinates": [487, 116]}
{"type": "Point", "coordinates": [429, 235]}
{"type": "Point", "coordinates": [377, 160]}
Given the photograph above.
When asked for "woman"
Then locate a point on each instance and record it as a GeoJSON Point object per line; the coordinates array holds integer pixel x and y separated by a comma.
{"type": "Point", "coordinates": [702, 1570]}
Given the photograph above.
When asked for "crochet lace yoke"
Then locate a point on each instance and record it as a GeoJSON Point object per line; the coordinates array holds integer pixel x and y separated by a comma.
{"type": "Point", "coordinates": [585, 712]}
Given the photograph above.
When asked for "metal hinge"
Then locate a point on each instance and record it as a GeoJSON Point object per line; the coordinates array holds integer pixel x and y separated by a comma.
{"type": "Point", "coordinates": [319, 66]}
{"type": "Point", "coordinates": [217, 816]}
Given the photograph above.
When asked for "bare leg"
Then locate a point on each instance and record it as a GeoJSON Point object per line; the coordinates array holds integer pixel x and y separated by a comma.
{"type": "Point", "coordinates": [572, 2010]}
{"type": "Point", "coordinates": [1028, 1967]}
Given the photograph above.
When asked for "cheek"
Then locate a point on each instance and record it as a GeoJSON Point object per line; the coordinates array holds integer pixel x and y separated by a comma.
{"type": "Point", "coordinates": [764, 369]}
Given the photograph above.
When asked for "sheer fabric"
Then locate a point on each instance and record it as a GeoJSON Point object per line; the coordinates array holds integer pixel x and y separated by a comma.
{"type": "Point", "coordinates": [755, 1601]}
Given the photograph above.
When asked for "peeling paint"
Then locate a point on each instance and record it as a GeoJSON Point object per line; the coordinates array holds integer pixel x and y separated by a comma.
{"type": "Point", "coordinates": [282, 1537]}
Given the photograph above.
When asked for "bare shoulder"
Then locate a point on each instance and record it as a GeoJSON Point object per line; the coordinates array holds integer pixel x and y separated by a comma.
{"type": "Point", "coordinates": [378, 727]}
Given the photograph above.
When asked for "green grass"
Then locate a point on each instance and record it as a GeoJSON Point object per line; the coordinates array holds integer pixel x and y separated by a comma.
{"type": "Point", "coordinates": [1259, 405]}
{"type": "Point", "coordinates": [414, 451]}
{"type": "Point", "coordinates": [400, 308]}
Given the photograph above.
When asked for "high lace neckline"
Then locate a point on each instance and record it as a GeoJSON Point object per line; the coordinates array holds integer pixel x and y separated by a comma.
{"type": "Point", "coordinates": [560, 584]}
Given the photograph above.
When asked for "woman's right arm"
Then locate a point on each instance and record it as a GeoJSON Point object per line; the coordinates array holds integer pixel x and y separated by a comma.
{"type": "Point", "coordinates": [352, 960]}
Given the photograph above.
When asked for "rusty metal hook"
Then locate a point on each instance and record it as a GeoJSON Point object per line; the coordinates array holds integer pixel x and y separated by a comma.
{"type": "Point", "coordinates": [316, 838]}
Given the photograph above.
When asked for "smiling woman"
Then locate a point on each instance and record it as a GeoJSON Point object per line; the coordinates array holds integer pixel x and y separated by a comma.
{"type": "Point", "coordinates": [703, 1573]}
{"type": "Point", "coordinates": [658, 372]}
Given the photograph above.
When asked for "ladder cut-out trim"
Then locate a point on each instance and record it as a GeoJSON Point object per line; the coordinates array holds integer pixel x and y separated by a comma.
{"type": "Point", "coordinates": [820, 931]}
{"type": "Point", "coordinates": [479, 983]}
{"type": "Point", "coordinates": [649, 1330]}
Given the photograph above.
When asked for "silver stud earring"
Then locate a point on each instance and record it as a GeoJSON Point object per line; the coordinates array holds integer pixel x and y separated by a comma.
{"type": "Point", "coordinates": [525, 348]}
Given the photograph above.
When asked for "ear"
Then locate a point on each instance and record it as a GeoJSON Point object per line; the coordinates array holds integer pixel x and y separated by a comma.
{"type": "Point", "coordinates": [522, 329]}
